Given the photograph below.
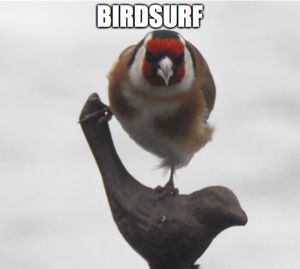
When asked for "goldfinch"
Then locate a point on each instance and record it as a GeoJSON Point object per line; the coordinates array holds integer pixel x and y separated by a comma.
{"type": "Point", "coordinates": [162, 92]}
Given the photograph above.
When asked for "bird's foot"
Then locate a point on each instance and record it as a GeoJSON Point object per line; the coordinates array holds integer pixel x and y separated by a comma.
{"type": "Point", "coordinates": [165, 191]}
{"type": "Point", "coordinates": [103, 115]}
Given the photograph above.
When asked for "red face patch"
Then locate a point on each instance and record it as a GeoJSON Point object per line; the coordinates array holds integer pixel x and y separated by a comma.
{"type": "Point", "coordinates": [159, 47]}
{"type": "Point", "coordinates": [169, 46]}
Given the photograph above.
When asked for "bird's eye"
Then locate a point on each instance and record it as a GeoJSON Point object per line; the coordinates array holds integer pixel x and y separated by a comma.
{"type": "Point", "coordinates": [150, 57]}
{"type": "Point", "coordinates": [179, 60]}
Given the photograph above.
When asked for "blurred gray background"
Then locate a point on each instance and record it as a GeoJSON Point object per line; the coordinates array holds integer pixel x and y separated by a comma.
{"type": "Point", "coordinates": [53, 209]}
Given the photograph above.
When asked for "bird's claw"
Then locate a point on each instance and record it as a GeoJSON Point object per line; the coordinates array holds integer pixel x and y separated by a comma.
{"type": "Point", "coordinates": [174, 191]}
{"type": "Point", "coordinates": [165, 191]}
{"type": "Point", "coordinates": [103, 115]}
{"type": "Point", "coordinates": [106, 117]}
{"type": "Point", "coordinates": [158, 189]}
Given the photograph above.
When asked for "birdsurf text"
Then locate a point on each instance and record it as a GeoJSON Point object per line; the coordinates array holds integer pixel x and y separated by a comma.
{"type": "Point", "coordinates": [154, 16]}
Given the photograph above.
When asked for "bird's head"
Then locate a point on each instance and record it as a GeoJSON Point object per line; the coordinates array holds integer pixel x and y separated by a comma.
{"type": "Point", "coordinates": [162, 60]}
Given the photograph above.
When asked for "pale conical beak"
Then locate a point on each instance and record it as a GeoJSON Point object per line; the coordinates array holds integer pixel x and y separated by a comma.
{"type": "Point", "coordinates": [165, 69]}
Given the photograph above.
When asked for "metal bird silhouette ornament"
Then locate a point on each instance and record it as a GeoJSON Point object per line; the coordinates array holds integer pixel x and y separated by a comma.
{"type": "Point", "coordinates": [162, 92]}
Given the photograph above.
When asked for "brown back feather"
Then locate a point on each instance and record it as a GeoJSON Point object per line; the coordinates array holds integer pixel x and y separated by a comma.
{"type": "Point", "coordinates": [202, 72]}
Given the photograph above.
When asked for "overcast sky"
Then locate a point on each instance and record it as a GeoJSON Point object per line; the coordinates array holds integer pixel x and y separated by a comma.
{"type": "Point", "coordinates": [53, 209]}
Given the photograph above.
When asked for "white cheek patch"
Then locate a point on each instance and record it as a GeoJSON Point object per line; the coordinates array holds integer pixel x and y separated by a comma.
{"type": "Point", "coordinates": [135, 70]}
{"type": "Point", "coordinates": [189, 69]}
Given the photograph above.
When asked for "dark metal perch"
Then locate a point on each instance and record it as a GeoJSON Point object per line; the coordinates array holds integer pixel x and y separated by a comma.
{"type": "Point", "coordinates": [169, 233]}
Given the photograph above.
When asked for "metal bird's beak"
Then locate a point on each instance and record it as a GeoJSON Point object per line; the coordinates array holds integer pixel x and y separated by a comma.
{"type": "Point", "coordinates": [165, 69]}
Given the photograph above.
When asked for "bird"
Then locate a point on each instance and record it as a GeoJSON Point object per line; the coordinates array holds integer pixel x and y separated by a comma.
{"type": "Point", "coordinates": [162, 92]}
